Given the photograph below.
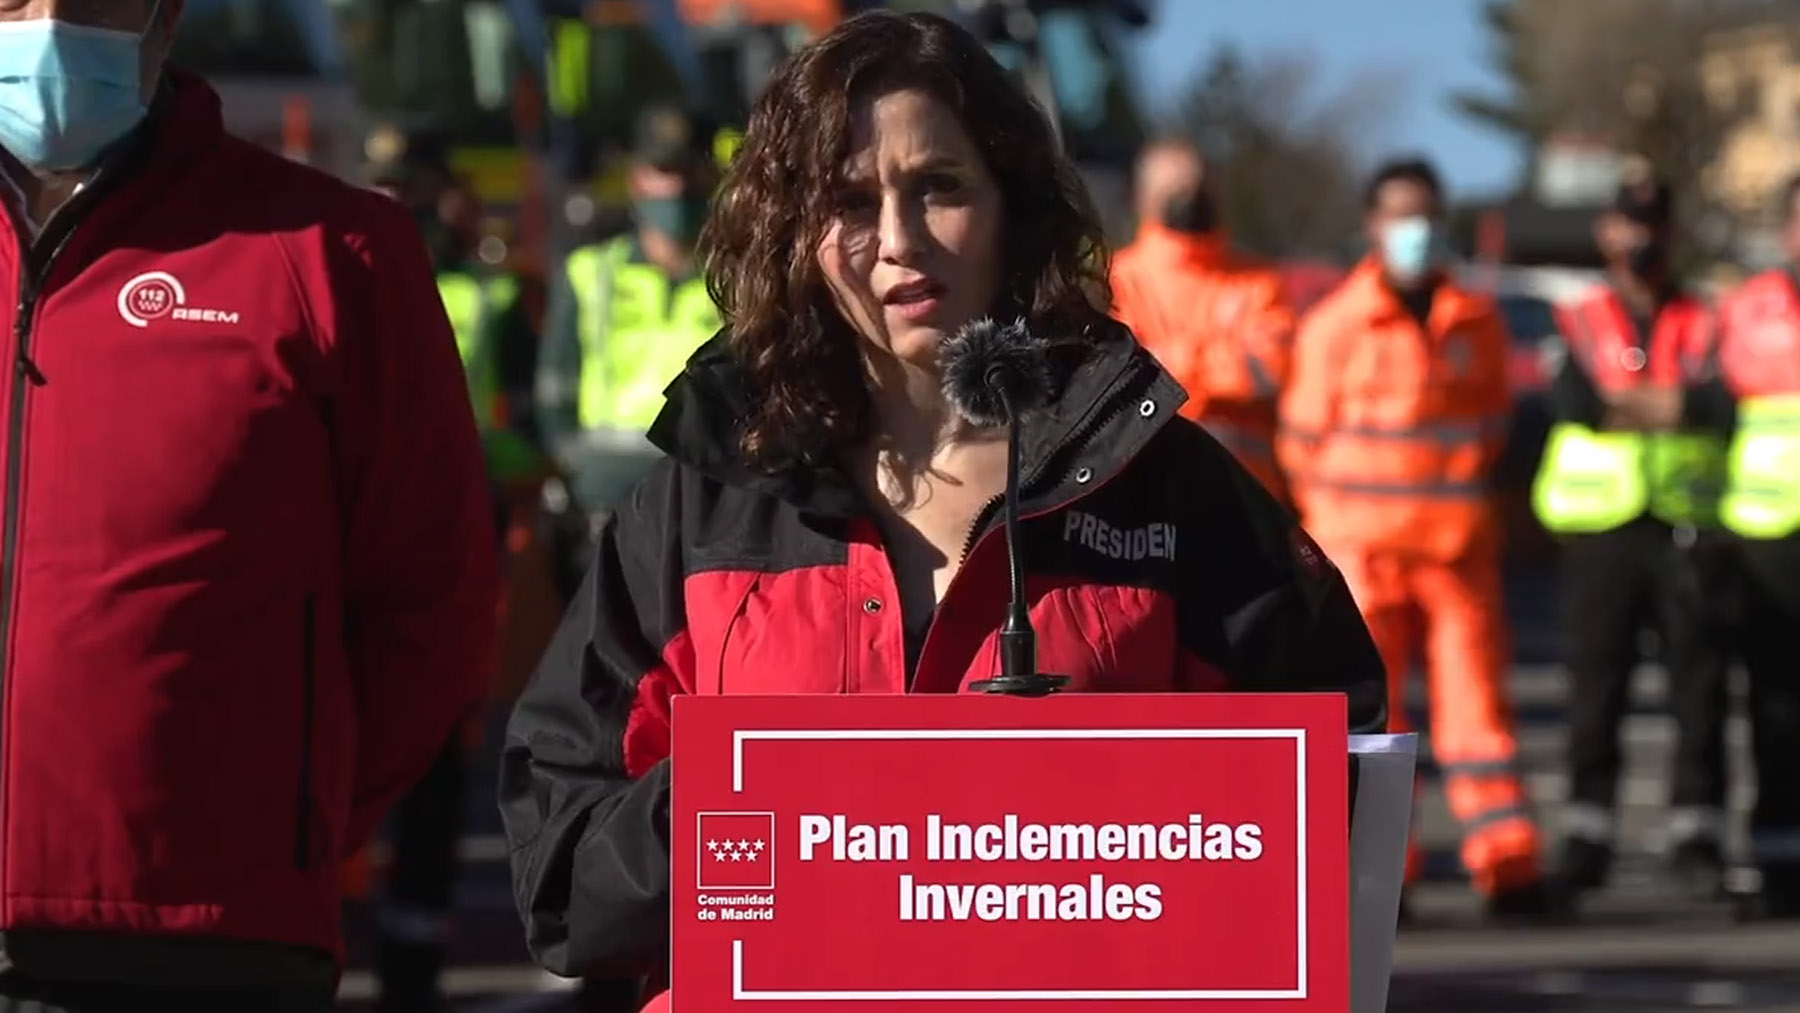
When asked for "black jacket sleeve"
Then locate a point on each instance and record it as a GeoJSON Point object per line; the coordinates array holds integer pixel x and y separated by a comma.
{"type": "Point", "coordinates": [1265, 601]}
{"type": "Point", "coordinates": [1707, 403]}
{"type": "Point", "coordinates": [1310, 636]}
{"type": "Point", "coordinates": [1573, 395]}
{"type": "Point", "coordinates": [584, 774]}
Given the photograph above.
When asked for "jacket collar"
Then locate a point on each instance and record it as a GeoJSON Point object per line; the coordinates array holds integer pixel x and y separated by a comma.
{"type": "Point", "coordinates": [184, 120]}
{"type": "Point", "coordinates": [1672, 296]}
{"type": "Point", "coordinates": [1450, 303]}
{"type": "Point", "coordinates": [1157, 241]}
{"type": "Point", "coordinates": [1110, 399]}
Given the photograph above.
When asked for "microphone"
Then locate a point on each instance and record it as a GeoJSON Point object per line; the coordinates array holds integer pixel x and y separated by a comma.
{"type": "Point", "coordinates": [992, 374]}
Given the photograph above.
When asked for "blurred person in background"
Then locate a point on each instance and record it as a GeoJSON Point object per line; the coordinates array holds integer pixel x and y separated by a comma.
{"type": "Point", "coordinates": [1215, 318]}
{"type": "Point", "coordinates": [1759, 358]}
{"type": "Point", "coordinates": [1630, 482]}
{"type": "Point", "coordinates": [1394, 416]}
{"type": "Point", "coordinates": [626, 313]}
{"type": "Point", "coordinates": [247, 544]}
{"type": "Point", "coordinates": [413, 915]}
{"type": "Point", "coordinates": [494, 332]}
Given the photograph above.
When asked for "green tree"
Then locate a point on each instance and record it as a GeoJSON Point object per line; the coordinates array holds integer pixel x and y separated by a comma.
{"type": "Point", "coordinates": [1513, 114]}
{"type": "Point", "coordinates": [1288, 160]}
{"type": "Point", "coordinates": [1628, 71]}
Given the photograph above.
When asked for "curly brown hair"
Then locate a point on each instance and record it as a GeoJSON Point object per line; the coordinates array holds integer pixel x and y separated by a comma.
{"type": "Point", "coordinates": [759, 246]}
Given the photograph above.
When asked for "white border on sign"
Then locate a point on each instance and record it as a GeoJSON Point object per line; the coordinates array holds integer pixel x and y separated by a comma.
{"type": "Point", "coordinates": [739, 992]}
{"type": "Point", "coordinates": [700, 850]}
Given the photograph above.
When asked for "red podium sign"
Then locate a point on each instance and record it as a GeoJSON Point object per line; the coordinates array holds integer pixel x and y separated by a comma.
{"type": "Point", "coordinates": [1107, 853]}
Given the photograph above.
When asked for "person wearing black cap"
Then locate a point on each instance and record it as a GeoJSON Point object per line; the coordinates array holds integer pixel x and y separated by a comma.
{"type": "Point", "coordinates": [625, 314]}
{"type": "Point", "coordinates": [1630, 481]}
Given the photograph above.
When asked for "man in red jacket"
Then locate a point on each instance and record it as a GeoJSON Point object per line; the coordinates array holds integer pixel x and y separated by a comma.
{"type": "Point", "coordinates": [247, 568]}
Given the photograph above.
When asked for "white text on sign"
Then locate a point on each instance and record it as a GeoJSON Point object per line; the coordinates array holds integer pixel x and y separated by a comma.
{"type": "Point", "coordinates": [837, 839]}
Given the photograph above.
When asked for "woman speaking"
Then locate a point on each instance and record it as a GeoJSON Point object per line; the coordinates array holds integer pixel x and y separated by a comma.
{"type": "Point", "coordinates": [826, 521]}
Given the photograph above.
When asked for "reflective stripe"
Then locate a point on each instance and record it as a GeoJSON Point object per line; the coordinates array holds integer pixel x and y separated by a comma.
{"type": "Point", "coordinates": [1785, 426]}
{"type": "Point", "coordinates": [1261, 380]}
{"type": "Point", "coordinates": [1589, 822]}
{"type": "Point", "coordinates": [1240, 440]}
{"type": "Point", "coordinates": [1459, 431]}
{"type": "Point", "coordinates": [1688, 823]}
{"type": "Point", "coordinates": [1762, 494]}
{"type": "Point", "coordinates": [1438, 460]}
{"type": "Point", "coordinates": [1444, 432]}
{"type": "Point", "coordinates": [410, 923]}
{"type": "Point", "coordinates": [1432, 490]}
{"type": "Point", "coordinates": [1305, 437]}
{"type": "Point", "coordinates": [1496, 815]}
{"type": "Point", "coordinates": [1480, 768]}
{"type": "Point", "coordinates": [1775, 846]}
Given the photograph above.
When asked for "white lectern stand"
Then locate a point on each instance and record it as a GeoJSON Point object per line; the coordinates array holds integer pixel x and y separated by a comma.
{"type": "Point", "coordinates": [1380, 821]}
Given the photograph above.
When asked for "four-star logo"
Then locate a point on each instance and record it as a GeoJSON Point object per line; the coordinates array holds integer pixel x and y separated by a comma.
{"type": "Point", "coordinates": [737, 851]}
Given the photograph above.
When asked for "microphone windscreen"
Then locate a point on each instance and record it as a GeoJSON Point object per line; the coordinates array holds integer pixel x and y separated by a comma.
{"type": "Point", "coordinates": [986, 358]}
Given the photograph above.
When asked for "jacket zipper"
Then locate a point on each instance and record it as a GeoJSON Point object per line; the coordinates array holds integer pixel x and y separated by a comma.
{"type": "Point", "coordinates": [308, 668]}
{"type": "Point", "coordinates": [1068, 450]}
{"type": "Point", "coordinates": [1069, 447]}
{"type": "Point", "coordinates": [26, 375]}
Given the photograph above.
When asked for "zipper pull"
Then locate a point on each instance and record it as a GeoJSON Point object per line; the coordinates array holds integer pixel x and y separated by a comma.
{"type": "Point", "coordinates": [30, 371]}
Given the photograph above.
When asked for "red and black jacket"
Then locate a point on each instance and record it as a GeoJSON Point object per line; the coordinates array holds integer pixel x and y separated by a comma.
{"type": "Point", "coordinates": [1156, 564]}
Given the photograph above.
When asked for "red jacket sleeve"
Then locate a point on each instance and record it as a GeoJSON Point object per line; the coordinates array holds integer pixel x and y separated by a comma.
{"type": "Point", "coordinates": [420, 545]}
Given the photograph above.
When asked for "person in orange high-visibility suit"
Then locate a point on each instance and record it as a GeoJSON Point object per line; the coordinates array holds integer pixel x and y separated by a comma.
{"type": "Point", "coordinates": [1394, 415]}
{"type": "Point", "coordinates": [1215, 318]}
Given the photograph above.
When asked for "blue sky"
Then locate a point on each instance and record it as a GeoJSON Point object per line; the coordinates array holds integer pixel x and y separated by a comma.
{"type": "Point", "coordinates": [1350, 38]}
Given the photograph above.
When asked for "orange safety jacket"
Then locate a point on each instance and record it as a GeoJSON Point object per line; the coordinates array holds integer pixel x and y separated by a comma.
{"type": "Point", "coordinates": [1219, 322]}
{"type": "Point", "coordinates": [1389, 429]}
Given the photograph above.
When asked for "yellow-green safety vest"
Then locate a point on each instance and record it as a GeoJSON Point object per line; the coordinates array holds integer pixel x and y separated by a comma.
{"type": "Point", "coordinates": [469, 302]}
{"type": "Point", "coordinates": [1596, 481]}
{"type": "Point", "coordinates": [1762, 492]}
{"type": "Point", "coordinates": [637, 330]}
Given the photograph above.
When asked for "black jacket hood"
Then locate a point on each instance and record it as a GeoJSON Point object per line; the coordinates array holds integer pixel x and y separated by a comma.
{"type": "Point", "coordinates": [1104, 390]}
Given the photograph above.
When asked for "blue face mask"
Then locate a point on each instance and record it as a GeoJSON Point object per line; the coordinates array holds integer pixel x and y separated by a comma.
{"type": "Point", "coordinates": [679, 218]}
{"type": "Point", "coordinates": [67, 92]}
{"type": "Point", "coordinates": [1409, 249]}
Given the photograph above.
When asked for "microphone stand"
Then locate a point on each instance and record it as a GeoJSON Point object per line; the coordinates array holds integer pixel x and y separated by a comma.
{"type": "Point", "coordinates": [1019, 675]}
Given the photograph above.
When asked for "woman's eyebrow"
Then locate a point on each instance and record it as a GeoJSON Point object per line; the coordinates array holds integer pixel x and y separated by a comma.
{"type": "Point", "coordinates": [860, 171]}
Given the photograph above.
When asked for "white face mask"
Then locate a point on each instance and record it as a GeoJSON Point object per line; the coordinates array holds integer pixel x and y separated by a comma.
{"type": "Point", "coordinates": [1410, 248]}
{"type": "Point", "coordinates": [68, 92]}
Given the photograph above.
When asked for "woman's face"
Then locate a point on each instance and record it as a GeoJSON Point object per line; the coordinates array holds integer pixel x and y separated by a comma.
{"type": "Point", "coordinates": [913, 252]}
